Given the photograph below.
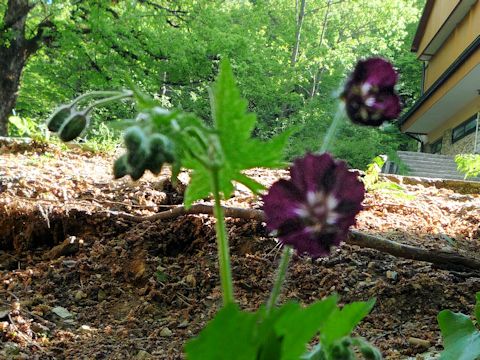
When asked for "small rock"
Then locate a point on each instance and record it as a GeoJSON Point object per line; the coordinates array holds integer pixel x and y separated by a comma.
{"type": "Point", "coordinates": [190, 280]}
{"type": "Point", "coordinates": [419, 342]}
{"type": "Point", "coordinates": [85, 329]}
{"type": "Point", "coordinates": [62, 312]}
{"type": "Point", "coordinates": [39, 328]}
{"type": "Point", "coordinates": [69, 263]}
{"type": "Point", "coordinates": [142, 354]}
{"type": "Point", "coordinates": [183, 324]}
{"type": "Point", "coordinates": [393, 275]}
{"type": "Point", "coordinates": [101, 295]}
{"type": "Point", "coordinates": [79, 295]}
{"type": "Point", "coordinates": [4, 313]}
{"type": "Point", "coordinates": [166, 332]}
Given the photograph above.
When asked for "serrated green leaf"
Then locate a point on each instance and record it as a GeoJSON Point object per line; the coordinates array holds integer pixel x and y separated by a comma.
{"type": "Point", "coordinates": [343, 321]}
{"type": "Point", "coordinates": [198, 188]}
{"type": "Point", "coordinates": [299, 325]}
{"type": "Point", "coordinates": [234, 125]}
{"type": "Point", "coordinates": [255, 187]}
{"type": "Point", "coordinates": [461, 340]}
{"type": "Point", "coordinates": [230, 335]}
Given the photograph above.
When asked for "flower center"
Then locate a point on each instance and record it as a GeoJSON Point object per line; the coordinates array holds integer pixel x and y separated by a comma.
{"type": "Point", "coordinates": [318, 210]}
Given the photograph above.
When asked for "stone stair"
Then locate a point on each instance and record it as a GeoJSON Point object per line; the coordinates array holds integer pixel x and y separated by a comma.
{"type": "Point", "coordinates": [432, 166]}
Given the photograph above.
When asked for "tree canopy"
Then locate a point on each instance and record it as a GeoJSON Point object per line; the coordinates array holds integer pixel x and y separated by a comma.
{"type": "Point", "coordinates": [289, 58]}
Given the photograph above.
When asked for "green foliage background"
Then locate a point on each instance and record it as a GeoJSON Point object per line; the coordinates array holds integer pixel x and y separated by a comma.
{"type": "Point", "coordinates": [172, 50]}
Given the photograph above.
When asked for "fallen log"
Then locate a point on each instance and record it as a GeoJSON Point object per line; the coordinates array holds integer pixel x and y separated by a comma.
{"type": "Point", "coordinates": [445, 259]}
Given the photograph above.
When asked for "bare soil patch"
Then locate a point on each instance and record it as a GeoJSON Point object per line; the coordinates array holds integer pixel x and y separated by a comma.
{"type": "Point", "coordinates": [140, 290]}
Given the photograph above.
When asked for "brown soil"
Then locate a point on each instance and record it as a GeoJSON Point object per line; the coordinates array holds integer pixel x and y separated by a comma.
{"type": "Point", "coordinates": [140, 290]}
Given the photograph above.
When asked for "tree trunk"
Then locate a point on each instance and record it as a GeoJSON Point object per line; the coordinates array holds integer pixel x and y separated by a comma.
{"type": "Point", "coordinates": [14, 53]}
{"type": "Point", "coordinates": [298, 32]}
{"type": "Point", "coordinates": [318, 74]}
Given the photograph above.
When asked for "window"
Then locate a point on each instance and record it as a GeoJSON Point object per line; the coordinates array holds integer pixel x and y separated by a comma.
{"type": "Point", "coordinates": [464, 129]}
{"type": "Point", "coordinates": [436, 147]}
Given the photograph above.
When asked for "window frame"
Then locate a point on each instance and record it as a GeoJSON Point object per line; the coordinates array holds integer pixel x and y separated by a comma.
{"type": "Point", "coordinates": [436, 143]}
{"type": "Point", "coordinates": [463, 127]}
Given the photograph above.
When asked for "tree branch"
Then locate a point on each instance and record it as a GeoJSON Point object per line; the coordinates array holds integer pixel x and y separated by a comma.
{"type": "Point", "coordinates": [445, 259]}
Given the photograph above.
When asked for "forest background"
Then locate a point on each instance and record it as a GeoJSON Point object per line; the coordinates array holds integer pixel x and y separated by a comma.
{"type": "Point", "coordinates": [289, 58]}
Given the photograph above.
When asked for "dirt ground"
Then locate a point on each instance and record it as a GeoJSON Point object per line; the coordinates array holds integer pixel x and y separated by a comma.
{"type": "Point", "coordinates": [79, 281]}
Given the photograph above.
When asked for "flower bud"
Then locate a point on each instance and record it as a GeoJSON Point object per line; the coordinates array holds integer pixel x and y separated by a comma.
{"type": "Point", "coordinates": [137, 172]}
{"type": "Point", "coordinates": [120, 167]}
{"type": "Point", "coordinates": [161, 143]}
{"type": "Point", "coordinates": [56, 120]}
{"type": "Point", "coordinates": [134, 138]}
{"type": "Point", "coordinates": [73, 126]}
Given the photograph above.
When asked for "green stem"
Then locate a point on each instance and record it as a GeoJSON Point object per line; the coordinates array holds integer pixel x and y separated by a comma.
{"type": "Point", "coordinates": [222, 243]}
{"type": "Point", "coordinates": [125, 94]}
{"type": "Point", "coordinates": [95, 94]}
{"type": "Point", "coordinates": [332, 129]}
{"type": "Point", "coordinates": [281, 274]}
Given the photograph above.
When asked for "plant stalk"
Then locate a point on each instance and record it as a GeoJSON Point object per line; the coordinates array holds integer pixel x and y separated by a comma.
{"type": "Point", "coordinates": [281, 274]}
{"type": "Point", "coordinates": [95, 94]}
{"type": "Point", "coordinates": [123, 95]}
{"type": "Point", "coordinates": [222, 243]}
{"type": "Point", "coordinates": [329, 136]}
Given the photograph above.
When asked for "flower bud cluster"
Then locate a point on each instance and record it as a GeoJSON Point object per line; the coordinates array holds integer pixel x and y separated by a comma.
{"type": "Point", "coordinates": [68, 122]}
{"type": "Point", "coordinates": [144, 152]}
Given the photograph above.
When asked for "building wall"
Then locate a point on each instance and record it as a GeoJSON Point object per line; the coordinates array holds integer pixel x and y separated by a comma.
{"type": "Point", "coordinates": [472, 108]}
{"type": "Point", "coordinates": [440, 12]}
{"type": "Point", "coordinates": [463, 71]}
{"type": "Point", "coordinates": [462, 146]}
{"type": "Point", "coordinates": [463, 35]}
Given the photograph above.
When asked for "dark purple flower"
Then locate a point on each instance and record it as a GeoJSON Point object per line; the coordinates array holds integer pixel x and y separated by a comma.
{"type": "Point", "coordinates": [369, 95]}
{"type": "Point", "coordinates": [314, 209]}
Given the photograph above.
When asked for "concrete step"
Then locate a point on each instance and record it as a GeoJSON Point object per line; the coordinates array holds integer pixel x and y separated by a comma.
{"type": "Point", "coordinates": [413, 154]}
{"type": "Point", "coordinates": [432, 166]}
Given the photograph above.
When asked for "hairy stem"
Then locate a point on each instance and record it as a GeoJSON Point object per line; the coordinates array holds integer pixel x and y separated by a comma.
{"type": "Point", "coordinates": [96, 94]}
{"type": "Point", "coordinates": [123, 95]}
{"type": "Point", "coordinates": [330, 135]}
{"type": "Point", "coordinates": [222, 243]}
{"type": "Point", "coordinates": [281, 274]}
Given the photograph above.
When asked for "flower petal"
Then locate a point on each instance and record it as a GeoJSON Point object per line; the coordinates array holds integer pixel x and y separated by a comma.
{"type": "Point", "coordinates": [282, 203]}
{"type": "Point", "coordinates": [375, 72]}
{"type": "Point", "coordinates": [308, 173]}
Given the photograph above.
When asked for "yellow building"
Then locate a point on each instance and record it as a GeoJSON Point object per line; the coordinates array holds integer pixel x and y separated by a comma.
{"type": "Point", "coordinates": [446, 117]}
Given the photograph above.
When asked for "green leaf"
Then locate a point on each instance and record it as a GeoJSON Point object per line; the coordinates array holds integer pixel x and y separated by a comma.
{"type": "Point", "coordinates": [299, 325]}
{"type": "Point", "coordinates": [199, 186]}
{"type": "Point", "coordinates": [477, 307]}
{"type": "Point", "coordinates": [342, 322]}
{"type": "Point", "coordinates": [461, 339]}
{"type": "Point", "coordinates": [230, 335]}
{"type": "Point", "coordinates": [239, 151]}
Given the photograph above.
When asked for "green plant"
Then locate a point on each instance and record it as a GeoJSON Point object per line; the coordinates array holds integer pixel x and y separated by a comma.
{"type": "Point", "coordinates": [469, 164]}
{"type": "Point", "coordinates": [372, 176]}
{"type": "Point", "coordinates": [461, 338]}
{"type": "Point", "coordinates": [102, 139]}
{"type": "Point", "coordinates": [320, 202]}
{"type": "Point", "coordinates": [25, 126]}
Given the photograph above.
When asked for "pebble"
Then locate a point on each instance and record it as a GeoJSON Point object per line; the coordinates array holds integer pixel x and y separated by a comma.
{"type": "Point", "coordinates": [79, 295]}
{"type": "Point", "coordinates": [183, 324]}
{"type": "Point", "coordinates": [419, 342]}
{"type": "Point", "coordinates": [101, 295]}
{"type": "Point", "coordinates": [166, 332]}
{"type": "Point", "coordinates": [393, 275]}
{"type": "Point", "coordinates": [142, 355]}
{"type": "Point", "coordinates": [85, 329]}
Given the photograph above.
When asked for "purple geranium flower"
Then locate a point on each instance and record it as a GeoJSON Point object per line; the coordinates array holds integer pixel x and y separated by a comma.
{"type": "Point", "coordinates": [314, 209]}
{"type": "Point", "coordinates": [369, 95]}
